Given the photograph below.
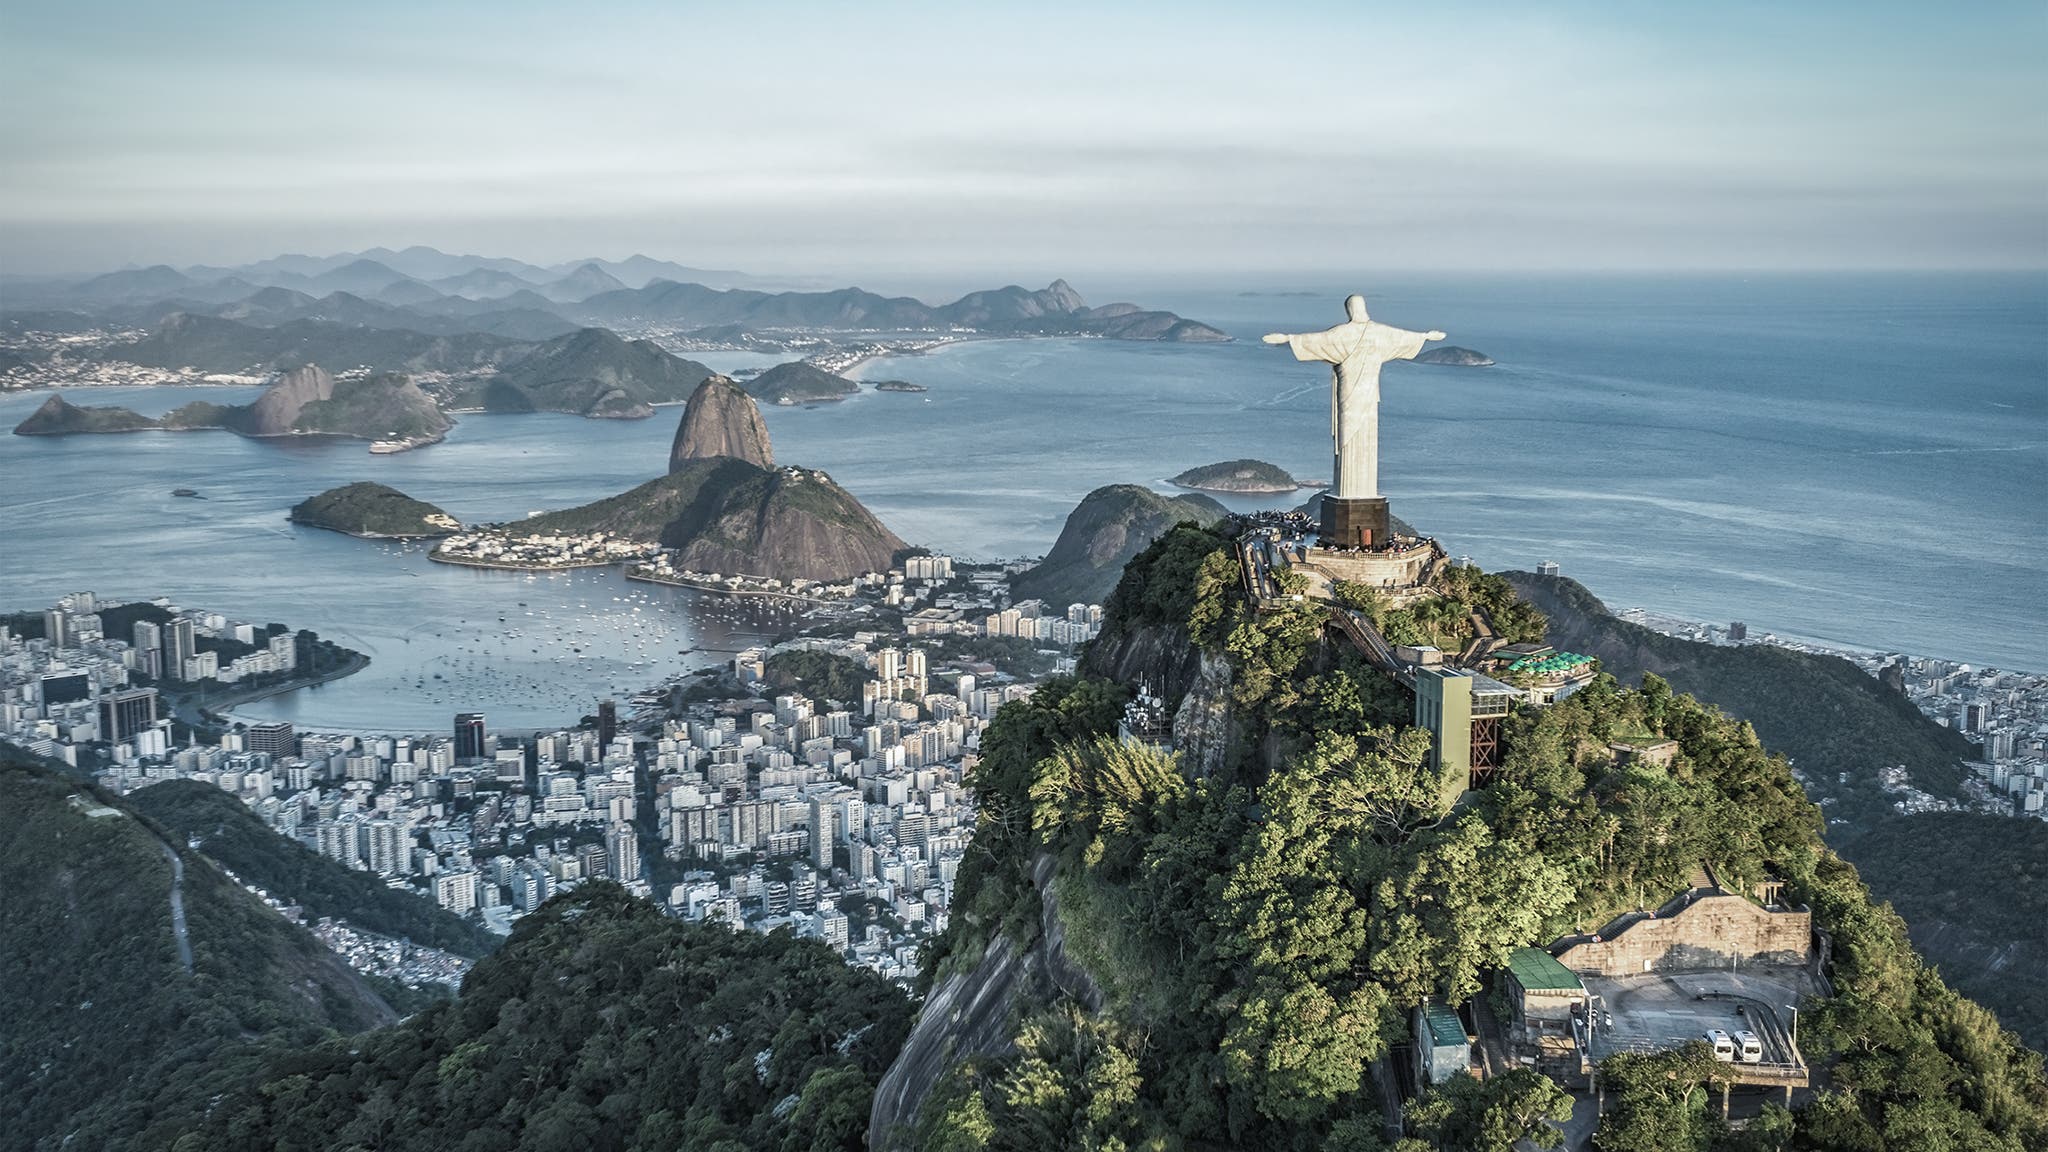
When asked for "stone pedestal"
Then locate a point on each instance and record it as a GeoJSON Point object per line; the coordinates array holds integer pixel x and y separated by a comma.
{"type": "Point", "coordinates": [1356, 523]}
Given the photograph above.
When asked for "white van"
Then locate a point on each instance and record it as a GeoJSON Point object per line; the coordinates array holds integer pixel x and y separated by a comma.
{"type": "Point", "coordinates": [1723, 1046]}
{"type": "Point", "coordinates": [1748, 1048]}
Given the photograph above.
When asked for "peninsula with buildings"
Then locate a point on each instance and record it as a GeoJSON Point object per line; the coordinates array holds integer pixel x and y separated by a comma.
{"type": "Point", "coordinates": [723, 508]}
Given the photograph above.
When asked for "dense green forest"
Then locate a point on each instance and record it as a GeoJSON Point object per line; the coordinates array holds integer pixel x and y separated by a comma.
{"type": "Point", "coordinates": [224, 829]}
{"type": "Point", "coordinates": [819, 675]}
{"type": "Point", "coordinates": [1445, 619]}
{"type": "Point", "coordinates": [107, 1041]}
{"type": "Point", "coordinates": [1956, 877]}
{"type": "Point", "coordinates": [1974, 889]}
{"type": "Point", "coordinates": [1826, 715]}
{"type": "Point", "coordinates": [1259, 933]}
{"type": "Point", "coordinates": [602, 1024]}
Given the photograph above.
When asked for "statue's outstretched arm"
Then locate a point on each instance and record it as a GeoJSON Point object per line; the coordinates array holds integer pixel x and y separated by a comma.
{"type": "Point", "coordinates": [1275, 338]}
{"type": "Point", "coordinates": [1432, 335]}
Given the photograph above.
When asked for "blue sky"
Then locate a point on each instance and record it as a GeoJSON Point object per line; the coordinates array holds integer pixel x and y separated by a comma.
{"type": "Point", "coordinates": [1031, 140]}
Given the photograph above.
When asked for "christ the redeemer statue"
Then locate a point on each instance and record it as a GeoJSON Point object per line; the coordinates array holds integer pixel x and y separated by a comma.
{"type": "Point", "coordinates": [1354, 513]}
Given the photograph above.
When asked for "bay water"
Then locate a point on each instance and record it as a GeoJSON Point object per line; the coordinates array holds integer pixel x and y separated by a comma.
{"type": "Point", "coordinates": [1861, 460]}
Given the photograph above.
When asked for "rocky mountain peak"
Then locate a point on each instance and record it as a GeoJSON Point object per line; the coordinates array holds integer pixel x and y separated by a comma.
{"type": "Point", "coordinates": [277, 410]}
{"type": "Point", "coordinates": [720, 419]}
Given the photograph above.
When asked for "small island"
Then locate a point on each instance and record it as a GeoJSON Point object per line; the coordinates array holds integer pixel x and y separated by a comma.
{"type": "Point", "coordinates": [60, 417]}
{"type": "Point", "coordinates": [899, 386]}
{"type": "Point", "coordinates": [374, 512]}
{"type": "Point", "coordinates": [187, 493]}
{"type": "Point", "coordinates": [1242, 476]}
{"type": "Point", "coordinates": [798, 382]}
{"type": "Point", "coordinates": [1454, 356]}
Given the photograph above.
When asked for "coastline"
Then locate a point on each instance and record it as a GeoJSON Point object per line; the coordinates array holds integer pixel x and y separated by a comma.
{"type": "Point", "coordinates": [218, 702]}
{"type": "Point", "coordinates": [722, 590]}
{"type": "Point", "coordinates": [367, 535]}
{"type": "Point", "coordinates": [437, 558]}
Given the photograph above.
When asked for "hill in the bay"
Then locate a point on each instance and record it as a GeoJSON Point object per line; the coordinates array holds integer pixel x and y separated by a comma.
{"type": "Point", "coordinates": [304, 401]}
{"type": "Point", "coordinates": [799, 383]}
{"type": "Point", "coordinates": [721, 420]}
{"type": "Point", "coordinates": [591, 372]}
{"type": "Point", "coordinates": [585, 372]}
{"type": "Point", "coordinates": [59, 417]}
{"type": "Point", "coordinates": [1110, 526]}
{"type": "Point", "coordinates": [311, 401]}
{"type": "Point", "coordinates": [113, 1037]}
{"type": "Point", "coordinates": [1237, 476]}
{"type": "Point", "coordinates": [220, 827]}
{"type": "Point", "coordinates": [727, 515]}
{"type": "Point", "coordinates": [373, 510]}
{"type": "Point", "coordinates": [1454, 356]}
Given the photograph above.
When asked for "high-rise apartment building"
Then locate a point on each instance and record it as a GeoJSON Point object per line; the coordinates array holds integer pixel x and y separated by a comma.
{"type": "Point", "coordinates": [276, 738]}
{"type": "Point", "coordinates": [469, 737]}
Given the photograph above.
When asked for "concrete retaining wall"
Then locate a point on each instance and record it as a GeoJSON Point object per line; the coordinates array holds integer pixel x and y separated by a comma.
{"type": "Point", "coordinates": [1714, 931]}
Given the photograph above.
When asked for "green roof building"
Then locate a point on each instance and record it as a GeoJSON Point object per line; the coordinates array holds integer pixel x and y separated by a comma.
{"type": "Point", "coordinates": [1549, 1007]}
{"type": "Point", "coordinates": [1442, 1049]}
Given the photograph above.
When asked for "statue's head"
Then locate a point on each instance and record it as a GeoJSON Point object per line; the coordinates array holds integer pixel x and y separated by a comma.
{"type": "Point", "coordinates": [1354, 307]}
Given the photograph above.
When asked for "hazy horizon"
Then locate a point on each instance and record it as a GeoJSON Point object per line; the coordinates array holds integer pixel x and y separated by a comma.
{"type": "Point", "coordinates": [907, 144]}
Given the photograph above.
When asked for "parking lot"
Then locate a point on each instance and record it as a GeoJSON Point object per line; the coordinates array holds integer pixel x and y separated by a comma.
{"type": "Point", "coordinates": [1658, 1011]}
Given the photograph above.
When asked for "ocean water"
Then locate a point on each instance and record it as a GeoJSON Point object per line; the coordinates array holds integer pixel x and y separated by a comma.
{"type": "Point", "coordinates": [1859, 460]}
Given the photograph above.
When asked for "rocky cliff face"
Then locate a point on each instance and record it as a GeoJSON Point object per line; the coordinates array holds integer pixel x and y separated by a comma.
{"type": "Point", "coordinates": [721, 420]}
{"type": "Point", "coordinates": [970, 1014]}
{"type": "Point", "coordinates": [276, 411]}
{"type": "Point", "coordinates": [384, 407]}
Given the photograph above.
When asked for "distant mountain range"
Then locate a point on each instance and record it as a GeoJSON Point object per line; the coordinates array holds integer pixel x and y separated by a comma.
{"type": "Point", "coordinates": [426, 290]}
{"type": "Point", "coordinates": [1055, 310]}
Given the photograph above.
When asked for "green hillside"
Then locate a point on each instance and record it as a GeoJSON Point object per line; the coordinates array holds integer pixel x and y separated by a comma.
{"type": "Point", "coordinates": [366, 508]}
{"type": "Point", "coordinates": [107, 1039]}
{"type": "Point", "coordinates": [602, 1024]}
{"type": "Point", "coordinates": [223, 829]}
{"type": "Point", "coordinates": [1108, 527]}
{"type": "Point", "coordinates": [1826, 715]}
{"type": "Point", "coordinates": [1973, 888]}
{"type": "Point", "coordinates": [799, 383]}
{"type": "Point", "coordinates": [1256, 935]}
{"type": "Point", "coordinates": [722, 514]}
{"type": "Point", "coordinates": [589, 372]}
{"type": "Point", "coordinates": [643, 512]}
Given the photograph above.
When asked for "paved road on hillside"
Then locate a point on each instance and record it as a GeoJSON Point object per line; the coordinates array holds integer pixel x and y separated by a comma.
{"type": "Point", "coordinates": [178, 906]}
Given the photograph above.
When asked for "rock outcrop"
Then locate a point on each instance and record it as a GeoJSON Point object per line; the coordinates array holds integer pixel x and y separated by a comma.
{"type": "Point", "coordinates": [276, 412]}
{"type": "Point", "coordinates": [1102, 533]}
{"type": "Point", "coordinates": [970, 1014]}
{"type": "Point", "coordinates": [721, 420]}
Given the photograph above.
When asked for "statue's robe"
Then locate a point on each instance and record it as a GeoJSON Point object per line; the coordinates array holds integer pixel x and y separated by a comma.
{"type": "Point", "coordinates": [1356, 348]}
